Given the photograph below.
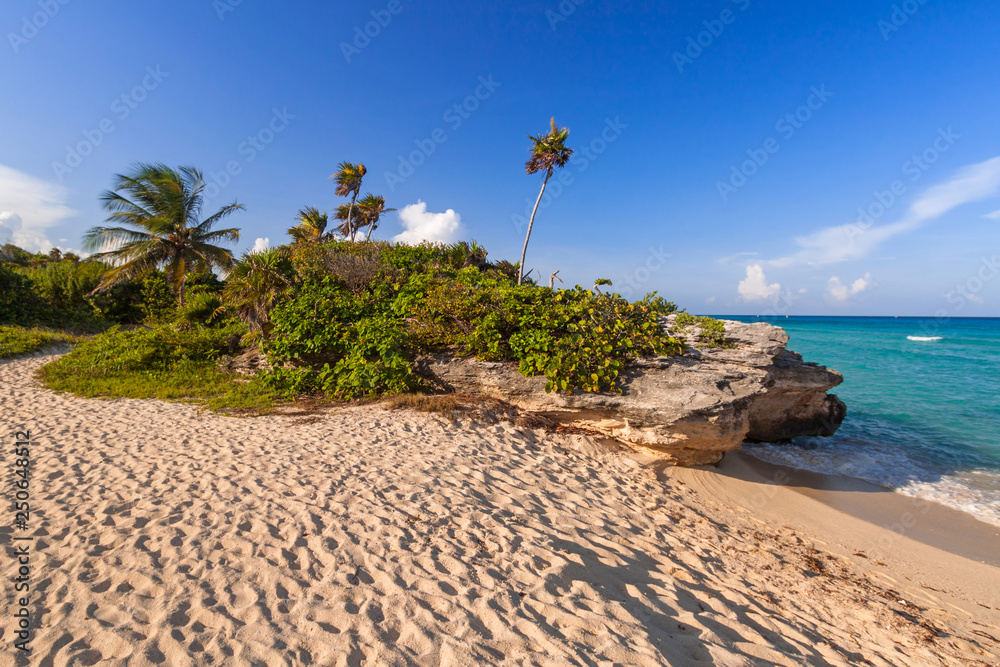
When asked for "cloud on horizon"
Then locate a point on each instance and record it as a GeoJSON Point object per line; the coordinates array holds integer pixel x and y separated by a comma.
{"type": "Point", "coordinates": [28, 207]}
{"type": "Point", "coordinates": [754, 287]}
{"type": "Point", "coordinates": [856, 240]}
{"type": "Point", "coordinates": [840, 292]}
{"type": "Point", "coordinates": [419, 225]}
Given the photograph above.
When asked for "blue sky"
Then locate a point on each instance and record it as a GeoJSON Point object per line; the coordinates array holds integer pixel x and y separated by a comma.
{"type": "Point", "coordinates": [724, 148]}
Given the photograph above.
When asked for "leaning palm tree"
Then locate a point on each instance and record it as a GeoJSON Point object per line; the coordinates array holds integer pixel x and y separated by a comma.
{"type": "Point", "coordinates": [159, 208]}
{"type": "Point", "coordinates": [548, 151]}
{"type": "Point", "coordinates": [371, 208]}
{"type": "Point", "coordinates": [311, 227]}
{"type": "Point", "coordinates": [348, 179]}
{"type": "Point", "coordinates": [343, 214]}
{"type": "Point", "coordinates": [256, 284]}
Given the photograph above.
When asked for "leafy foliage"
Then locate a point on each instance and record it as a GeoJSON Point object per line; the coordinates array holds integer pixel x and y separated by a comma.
{"type": "Point", "coordinates": [16, 340]}
{"type": "Point", "coordinates": [256, 284]}
{"type": "Point", "coordinates": [18, 302]}
{"type": "Point", "coordinates": [163, 363]}
{"type": "Point", "coordinates": [351, 336]}
{"type": "Point", "coordinates": [160, 209]}
{"type": "Point", "coordinates": [711, 332]}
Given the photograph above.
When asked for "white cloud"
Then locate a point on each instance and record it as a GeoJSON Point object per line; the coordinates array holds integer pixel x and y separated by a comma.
{"type": "Point", "coordinates": [755, 288]}
{"type": "Point", "coordinates": [10, 223]}
{"type": "Point", "coordinates": [838, 291]}
{"type": "Point", "coordinates": [856, 240]}
{"type": "Point", "coordinates": [995, 215]}
{"type": "Point", "coordinates": [28, 206]}
{"type": "Point", "coordinates": [710, 299]}
{"type": "Point", "coordinates": [419, 225]}
{"type": "Point", "coordinates": [260, 245]}
{"type": "Point", "coordinates": [974, 298]}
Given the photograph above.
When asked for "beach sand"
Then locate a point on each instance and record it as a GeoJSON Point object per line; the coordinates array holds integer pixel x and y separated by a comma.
{"type": "Point", "coordinates": [164, 535]}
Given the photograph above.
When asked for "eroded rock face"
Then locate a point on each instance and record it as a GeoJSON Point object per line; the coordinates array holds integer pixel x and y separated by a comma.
{"type": "Point", "coordinates": [690, 409]}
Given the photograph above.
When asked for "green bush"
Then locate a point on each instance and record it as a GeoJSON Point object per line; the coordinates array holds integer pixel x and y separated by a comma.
{"type": "Point", "coordinates": [202, 308]}
{"type": "Point", "coordinates": [163, 363]}
{"type": "Point", "coordinates": [158, 304]}
{"type": "Point", "coordinates": [19, 304]}
{"type": "Point", "coordinates": [711, 332]}
{"type": "Point", "coordinates": [351, 338]}
{"type": "Point", "coordinates": [17, 340]}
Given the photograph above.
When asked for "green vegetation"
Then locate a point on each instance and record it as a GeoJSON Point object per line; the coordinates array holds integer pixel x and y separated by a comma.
{"type": "Point", "coordinates": [353, 326]}
{"type": "Point", "coordinates": [160, 208]}
{"type": "Point", "coordinates": [17, 340]}
{"type": "Point", "coordinates": [711, 332]}
{"type": "Point", "coordinates": [327, 316]}
{"type": "Point", "coordinates": [164, 363]}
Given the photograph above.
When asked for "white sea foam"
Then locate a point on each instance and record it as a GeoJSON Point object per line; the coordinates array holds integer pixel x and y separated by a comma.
{"type": "Point", "coordinates": [925, 339]}
{"type": "Point", "coordinates": [974, 492]}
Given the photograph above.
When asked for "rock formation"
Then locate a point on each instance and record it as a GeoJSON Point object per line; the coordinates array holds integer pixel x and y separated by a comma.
{"type": "Point", "coordinates": [690, 409]}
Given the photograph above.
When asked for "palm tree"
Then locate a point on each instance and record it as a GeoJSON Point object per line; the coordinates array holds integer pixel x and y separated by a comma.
{"type": "Point", "coordinates": [370, 209]}
{"type": "Point", "coordinates": [348, 179]}
{"type": "Point", "coordinates": [311, 227]}
{"type": "Point", "coordinates": [160, 208]}
{"type": "Point", "coordinates": [343, 213]}
{"type": "Point", "coordinates": [548, 151]}
{"type": "Point", "coordinates": [256, 284]}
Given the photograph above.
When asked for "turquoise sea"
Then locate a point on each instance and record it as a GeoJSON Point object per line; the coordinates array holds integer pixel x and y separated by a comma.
{"type": "Point", "coordinates": [923, 400]}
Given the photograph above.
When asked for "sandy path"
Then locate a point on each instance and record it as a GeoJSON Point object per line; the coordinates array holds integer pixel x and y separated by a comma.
{"type": "Point", "coordinates": [169, 536]}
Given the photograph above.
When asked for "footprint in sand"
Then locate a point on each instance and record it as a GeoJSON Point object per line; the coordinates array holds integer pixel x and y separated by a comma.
{"type": "Point", "coordinates": [242, 596]}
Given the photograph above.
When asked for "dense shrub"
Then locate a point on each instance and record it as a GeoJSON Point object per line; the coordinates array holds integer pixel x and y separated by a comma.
{"type": "Point", "coordinates": [18, 302]}
{"type": "Point", "coordinates": [711, 332]}
{"type": "Point", "coordinates": [119, 352]}
{"type": "Point", "coordinates": [354, 332]}
{"type": "Point", "coordinates": [18, 340]}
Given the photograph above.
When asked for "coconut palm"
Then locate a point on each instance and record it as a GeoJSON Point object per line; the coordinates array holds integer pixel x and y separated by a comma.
{"type": "Point", "coordinates": [348, 179]}
{"type": "Point", "coordinates": [311, 227]}
{"type": "Point", "coordinates": [159, 208]}
{"type": "Point", "coordinates": [371, 208]}
{"type": "Point", "coordinates": [343, 214]}
{"type": "Point", "coordinates": [256, 284]}
{"type": "Point", "coordinates": [548, 151]}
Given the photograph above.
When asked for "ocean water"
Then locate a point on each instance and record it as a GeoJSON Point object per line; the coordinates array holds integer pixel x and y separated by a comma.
{"type": "Point", "coordinates": [923, 400]}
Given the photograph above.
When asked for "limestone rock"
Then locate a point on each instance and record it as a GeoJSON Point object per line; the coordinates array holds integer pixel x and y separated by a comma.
{"type": "Point", "coordinates": [690, 409]}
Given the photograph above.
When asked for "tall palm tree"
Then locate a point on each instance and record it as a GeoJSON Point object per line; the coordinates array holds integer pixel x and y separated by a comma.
{"type": "Point", "coordinates": [371, 208]}
{"type": "Point", "coordinates": [160, 208]}
{"type": "Point", "coordinates": [311, 227]}
{"type": "Point", "coordinates": [348, 179]}
{"type": "Point", "coordinates": [548, 151]}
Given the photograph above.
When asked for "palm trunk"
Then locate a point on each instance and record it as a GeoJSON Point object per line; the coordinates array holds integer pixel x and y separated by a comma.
{"type": "Point", "coordinates": [350, 217]}
{"type": "Point", "coordinates": [531, 223]}
{"type": "Point", "coordinates": [181, 287]}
